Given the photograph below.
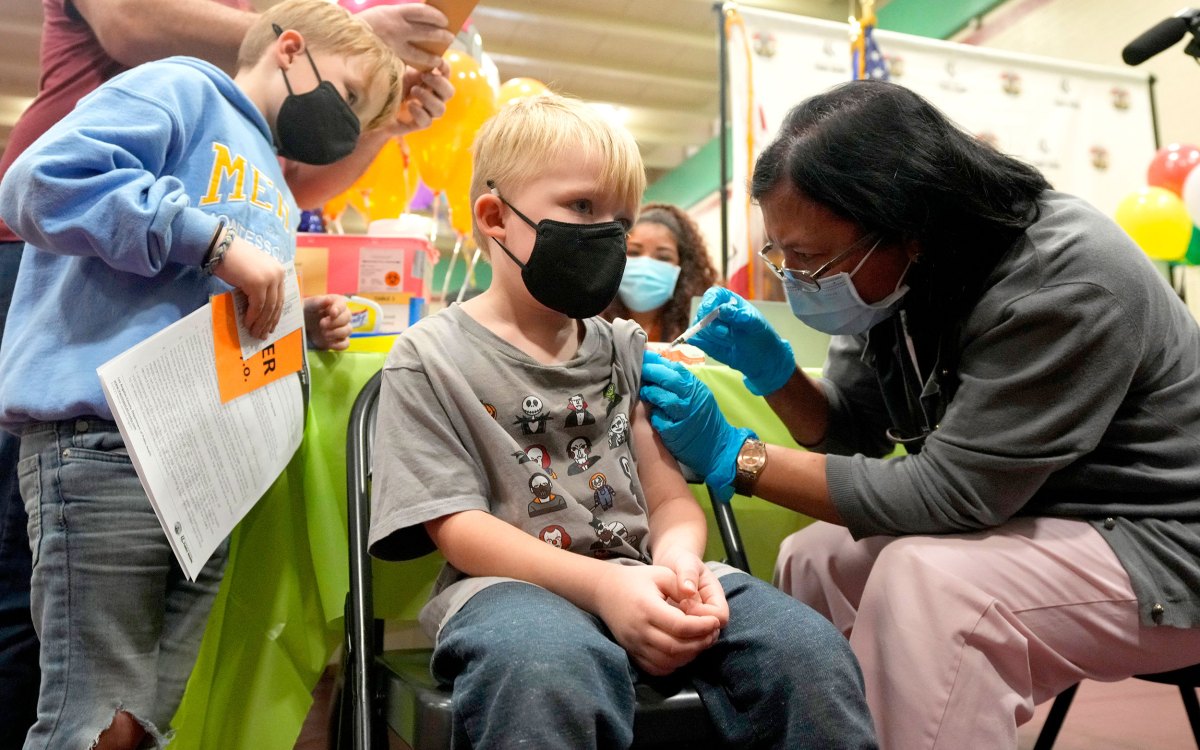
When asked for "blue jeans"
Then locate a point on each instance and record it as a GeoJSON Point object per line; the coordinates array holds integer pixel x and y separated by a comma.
{"type": "Point", "coordinates": [119, 622]}
{"type": "Point", "coordinates": [530, 669]}
{"type": "Point", "coordinates": [18, 642]}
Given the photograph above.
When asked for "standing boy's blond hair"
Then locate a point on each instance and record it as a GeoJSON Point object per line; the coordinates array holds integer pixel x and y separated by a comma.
{"type": "Point", "coordinates": [516, 144]}
{"type": "Point", "coordinates": [328, 27]}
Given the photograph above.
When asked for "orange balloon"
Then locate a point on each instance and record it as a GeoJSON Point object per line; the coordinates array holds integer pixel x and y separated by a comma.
{"type": "Point", "coordinates": [435, 148]}
{"type": "Point", "coordinates": [519, 88]}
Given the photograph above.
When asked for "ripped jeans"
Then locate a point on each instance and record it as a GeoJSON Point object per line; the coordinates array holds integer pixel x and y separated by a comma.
{"type": "Point", "coordinates": [119, 622]}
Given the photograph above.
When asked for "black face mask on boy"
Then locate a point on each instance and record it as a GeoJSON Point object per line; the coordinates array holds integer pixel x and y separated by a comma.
{"type": "Point", "coordinates": [575, 269]}
{"type": "Point", "coordinates": [316, 127]}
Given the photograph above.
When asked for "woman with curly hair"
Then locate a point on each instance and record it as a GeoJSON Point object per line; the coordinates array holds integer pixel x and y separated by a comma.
{"type": "Point", "coordinates": [667, 264]}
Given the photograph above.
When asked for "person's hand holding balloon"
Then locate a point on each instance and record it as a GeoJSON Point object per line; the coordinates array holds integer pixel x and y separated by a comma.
{"type": "Point", "coordinates": [407, 27]}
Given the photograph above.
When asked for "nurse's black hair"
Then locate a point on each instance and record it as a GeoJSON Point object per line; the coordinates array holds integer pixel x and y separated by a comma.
{"type": "Point", "coordinates": [880, 155]}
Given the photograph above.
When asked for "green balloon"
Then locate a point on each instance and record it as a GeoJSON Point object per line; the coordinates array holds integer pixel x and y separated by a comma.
{"type": "Point", "coordinates": [1193, 252]}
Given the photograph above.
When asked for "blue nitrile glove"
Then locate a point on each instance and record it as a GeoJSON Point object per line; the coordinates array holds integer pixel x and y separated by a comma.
{"type": "Point", "coordinates": [685, 413]}
{"type": "Point", "coordinates": [743, 339]}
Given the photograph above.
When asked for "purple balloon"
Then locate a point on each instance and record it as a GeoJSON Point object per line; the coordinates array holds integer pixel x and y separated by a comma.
{"type": "Point", "coordinates": [422, 198]}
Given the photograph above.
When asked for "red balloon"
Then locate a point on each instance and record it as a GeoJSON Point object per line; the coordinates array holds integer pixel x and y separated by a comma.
{"type": "Point", "coordinates": [355, 6]}
{"type": "Point", "coordinates": [1171, 165]}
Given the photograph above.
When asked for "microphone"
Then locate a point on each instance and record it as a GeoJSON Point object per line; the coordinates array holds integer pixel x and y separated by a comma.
{"type": "Point", "coordinates": [1159, 37]}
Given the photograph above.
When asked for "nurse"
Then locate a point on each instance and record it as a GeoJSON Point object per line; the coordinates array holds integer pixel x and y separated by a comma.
{"type": "Point", "coordinates": [1043, 523]}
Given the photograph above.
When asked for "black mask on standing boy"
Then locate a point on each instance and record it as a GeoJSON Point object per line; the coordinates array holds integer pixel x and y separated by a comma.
{"type": "Point", "coordinates": [575, 269]}
{"type": "Point", "coordinates": [316, 127]}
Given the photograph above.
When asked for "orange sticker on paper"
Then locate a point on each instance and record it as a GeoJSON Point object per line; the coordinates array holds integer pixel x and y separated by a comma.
{"type": "Point", "coordinates": [237, 376]}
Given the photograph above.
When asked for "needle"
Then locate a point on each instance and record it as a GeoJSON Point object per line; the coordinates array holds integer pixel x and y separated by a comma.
{"type": "Point", "coordinates": [695, 328]}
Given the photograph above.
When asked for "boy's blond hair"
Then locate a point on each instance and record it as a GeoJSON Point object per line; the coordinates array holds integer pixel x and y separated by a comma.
{"type": "Point", "coordinates": [327, 27]}
{"type": "Point", "coordinates": [517, 143]}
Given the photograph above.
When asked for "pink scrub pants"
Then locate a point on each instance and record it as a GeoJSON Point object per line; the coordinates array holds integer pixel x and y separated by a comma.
{"type": "Point", "coordinates": [960, 636]}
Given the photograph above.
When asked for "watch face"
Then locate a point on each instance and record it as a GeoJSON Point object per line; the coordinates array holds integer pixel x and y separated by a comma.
{"type": "Point", "coordinates": [750, 462]}
{"type": "Point", "coordinates": [753, 456]}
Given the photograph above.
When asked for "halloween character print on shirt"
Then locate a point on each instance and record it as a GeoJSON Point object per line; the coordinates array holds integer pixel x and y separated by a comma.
{"type": "Point", "coordinates": [618, 431]}
{"type": "Point", "coordinates": [577, 413]}
{"type": "Point", "coordinates": [611, 397]}
{"type": "Point", "coordinates": [579, 449]}
{"type": "Point", "coordinates": [610, 535]}
{"type": "Point", "coordinates": [533, 416]}
{"type": "Point", "coordinates": [540, 456]}
{"type": "Point", "coordinates": [536, 454]}
{"type": "Point", "coordinates": [555, 536]}
{"type": "Point", "coordinates": [602, 493]}
{"type": "Point", "coordinates": [544, 500]}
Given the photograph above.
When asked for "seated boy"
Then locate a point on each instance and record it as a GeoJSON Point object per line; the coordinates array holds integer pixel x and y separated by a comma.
{"type": "Point", "coordinates": [510, 436]}
{"type": "Point", "coordinates": [161, 188]}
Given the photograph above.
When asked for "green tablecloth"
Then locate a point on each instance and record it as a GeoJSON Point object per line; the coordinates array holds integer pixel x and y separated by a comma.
{"type": "Point", "coordinates": [278, 616]}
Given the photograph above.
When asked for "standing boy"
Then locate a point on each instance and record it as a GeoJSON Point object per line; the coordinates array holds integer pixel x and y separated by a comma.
{"type": "Point", "coordinates": [161, 188]}
{"type": "Point", "coordinates": [611, 539]}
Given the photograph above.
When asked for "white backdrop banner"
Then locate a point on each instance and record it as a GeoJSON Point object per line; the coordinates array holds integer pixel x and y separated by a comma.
{"type": "Point", "coordinates": [1088, 128]}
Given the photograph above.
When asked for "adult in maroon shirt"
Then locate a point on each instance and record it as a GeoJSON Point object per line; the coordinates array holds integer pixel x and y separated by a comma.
{"type": "Point", "coordinates": [85, 43]}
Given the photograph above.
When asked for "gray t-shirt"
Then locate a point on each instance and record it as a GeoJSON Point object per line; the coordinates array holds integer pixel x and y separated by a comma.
{"type": "Point", "coordinates": [469, 422]}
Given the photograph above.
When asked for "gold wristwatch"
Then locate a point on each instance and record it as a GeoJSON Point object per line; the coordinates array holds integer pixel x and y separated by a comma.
{"type": "Point", "coordinates": [750, 462]}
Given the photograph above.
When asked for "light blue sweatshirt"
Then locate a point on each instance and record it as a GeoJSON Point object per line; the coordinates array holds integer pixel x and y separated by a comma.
{"type": "Point", "coordinates": [118, 204]}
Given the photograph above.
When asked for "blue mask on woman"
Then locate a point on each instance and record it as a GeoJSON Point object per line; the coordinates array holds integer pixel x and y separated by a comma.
{"type": "Point", "coordinates": [836, 308]}
{"type": "Point", "coordinates": [648, 283]}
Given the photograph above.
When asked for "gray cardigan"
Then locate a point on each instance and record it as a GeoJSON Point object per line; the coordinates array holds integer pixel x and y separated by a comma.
{"type": "Point", "coordinates": [1076, 394]}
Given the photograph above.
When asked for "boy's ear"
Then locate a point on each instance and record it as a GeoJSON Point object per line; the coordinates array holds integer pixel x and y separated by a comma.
{"type": "Point", "coordinates": [289, 44]}
{"type": "Point", "coordinates": [489, 216]}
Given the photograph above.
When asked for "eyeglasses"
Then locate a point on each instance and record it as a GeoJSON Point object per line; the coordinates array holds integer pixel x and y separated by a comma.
{"type": "Point", "coordinates": [808, 279]}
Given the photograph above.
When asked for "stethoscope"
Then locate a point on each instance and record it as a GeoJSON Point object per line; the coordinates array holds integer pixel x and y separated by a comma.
{"type": "Point", "coordinates": [926, 430]}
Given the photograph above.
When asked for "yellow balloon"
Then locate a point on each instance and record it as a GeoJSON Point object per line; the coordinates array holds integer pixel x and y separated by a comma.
{"type": "Point", "coordinates": [519, 88]}
{"type": "Point", "coordinates": [435, 148]}
{"type": "Point", "coordinates": [1157, 220]}
{"type": "Point", "coordinates": [458, 193]}
{"type": "Point", "coordinates": [386, 180]}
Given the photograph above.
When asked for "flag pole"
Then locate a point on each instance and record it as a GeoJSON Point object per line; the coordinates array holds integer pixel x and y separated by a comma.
{"type": "Point", "coordinates": [722, 78]}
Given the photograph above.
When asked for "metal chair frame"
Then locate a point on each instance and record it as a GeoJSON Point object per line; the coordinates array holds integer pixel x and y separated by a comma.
{"type": "Point", "coordinates": [358, 720]}
{"type": "Point", "coordinates": [1186, 679]}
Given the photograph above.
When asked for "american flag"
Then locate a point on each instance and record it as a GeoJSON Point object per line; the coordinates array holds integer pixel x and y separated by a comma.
{"type": "Point", "coordinates": [866, 61]}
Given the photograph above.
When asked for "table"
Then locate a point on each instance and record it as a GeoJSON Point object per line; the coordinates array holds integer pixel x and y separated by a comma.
{"type": "Point", "coordinates": [277, 618]}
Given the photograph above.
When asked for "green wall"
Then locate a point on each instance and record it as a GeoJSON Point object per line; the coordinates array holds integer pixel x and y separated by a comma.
{"type": "Point", "coordinates": [483, 273]}
{"type": "Point", "coordinates": [937, 19]}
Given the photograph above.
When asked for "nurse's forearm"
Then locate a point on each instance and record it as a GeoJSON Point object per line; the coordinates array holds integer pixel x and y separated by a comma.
{"type": "Point", "coordinates": [795, 479]}
{"type": "Point", "coordinates": [801, 406]}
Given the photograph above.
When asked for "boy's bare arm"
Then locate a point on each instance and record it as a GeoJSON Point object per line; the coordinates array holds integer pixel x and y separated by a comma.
{"type": "Point", "coordinates": [677, 523]}
{"type": "Point", "coordinates": [630, 599]}
{"type": "Point", "coordinates": [678, 529]}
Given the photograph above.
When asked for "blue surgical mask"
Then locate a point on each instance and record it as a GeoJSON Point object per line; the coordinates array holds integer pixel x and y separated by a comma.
{"type": "Point", "coordinates": [836, 308]}
{"type": "Point", "coordinates": [648, 283]}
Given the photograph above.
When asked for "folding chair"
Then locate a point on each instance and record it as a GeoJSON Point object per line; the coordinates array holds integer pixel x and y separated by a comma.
{"type": "Point", "coordinates": [395, 690]}
{"type": "Point", "coordinates": [1186, 679]}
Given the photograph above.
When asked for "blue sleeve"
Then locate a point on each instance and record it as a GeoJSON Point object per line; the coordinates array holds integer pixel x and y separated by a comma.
{"type": "Point", "coordinates": [99, 184]}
